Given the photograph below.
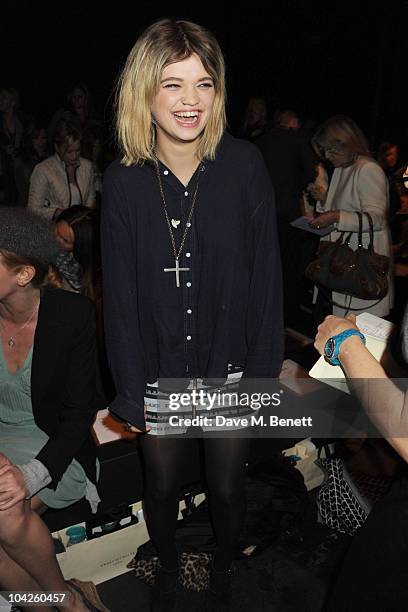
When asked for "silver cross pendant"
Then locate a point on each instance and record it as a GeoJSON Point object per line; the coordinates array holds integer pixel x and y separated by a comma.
{"type": "Point", "coordinates": [177, 271]}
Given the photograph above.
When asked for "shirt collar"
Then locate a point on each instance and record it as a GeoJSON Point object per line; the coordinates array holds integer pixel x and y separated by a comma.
{"type": "Point", "coordinates": [219, 154]}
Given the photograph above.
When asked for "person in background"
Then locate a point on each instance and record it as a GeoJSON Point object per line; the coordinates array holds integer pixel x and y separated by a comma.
{"type": "Point", "coordinates": [78, 104]}
{"type": "Point", "coordinates": [34, 150]}
{"type": "Point", "coordinates": [388, 158]}
{"type": "Point", "coordinates": [292, 165]}
{"type": "Point", "coordinates": [65, 179]}
{"type": "Point", "coordinates": [95, 148]}
{"type": "Point", "coordinates": [286, 120]}
{"type": "Point", "coordinates": [78, 268]}
{"type": "Point", "coordinates": [78, 261]}
{"type": "Point", "coordinates": [373, 575]}
{"type": "Point", "coordinates": [47, 405]}
{"type": "Point", "coordinates": [358, 184]}
{"type": "Point", "coordinates": [191, 278]}
{"type": "Point", "coordinates": [11, 140]}
{"type": "Point", "coordinates": [255, 121]}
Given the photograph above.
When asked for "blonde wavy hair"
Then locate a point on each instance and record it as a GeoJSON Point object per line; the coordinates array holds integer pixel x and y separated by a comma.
{"type": "Point", "coordinates": [165, 42]}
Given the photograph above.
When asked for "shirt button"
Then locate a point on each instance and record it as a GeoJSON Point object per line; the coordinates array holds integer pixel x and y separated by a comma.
{"type": "Point", "coordinates": [188, 284]}
{"type": "Point", "coordinates": [186, 193]}
{"type": "Point", "coordinates": [188, 337]}
{"type": "Point", "coordinates": [188, 254]}
{"type": "Point", "coordinates": [165, 172]}
{"type": "Point", "coordinates": [189, 311]}
{"type": "Point", "coordinates": [188, 224]}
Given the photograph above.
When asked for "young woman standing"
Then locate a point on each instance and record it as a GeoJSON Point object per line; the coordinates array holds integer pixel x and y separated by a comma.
{"type": "Point", "coordinates": [191, 269]}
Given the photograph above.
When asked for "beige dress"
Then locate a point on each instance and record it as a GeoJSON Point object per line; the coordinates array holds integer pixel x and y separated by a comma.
{"type": "Point", "coordinates": [361, 187]}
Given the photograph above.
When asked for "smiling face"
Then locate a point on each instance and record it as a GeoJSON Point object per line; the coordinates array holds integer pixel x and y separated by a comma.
{"type": "Point", "coordinates": [184, 102]}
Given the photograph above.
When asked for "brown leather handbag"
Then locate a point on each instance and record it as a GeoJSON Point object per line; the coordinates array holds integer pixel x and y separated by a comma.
{"type": "Point", "coordinates": [362, 273]}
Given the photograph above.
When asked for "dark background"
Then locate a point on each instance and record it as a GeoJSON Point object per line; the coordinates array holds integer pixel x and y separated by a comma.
{"type": "Point", "coordinates": [318, 58]}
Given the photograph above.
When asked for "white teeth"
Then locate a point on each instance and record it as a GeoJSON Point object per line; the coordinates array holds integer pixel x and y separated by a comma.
{"type": "Point", "coordinates": [187, 114]}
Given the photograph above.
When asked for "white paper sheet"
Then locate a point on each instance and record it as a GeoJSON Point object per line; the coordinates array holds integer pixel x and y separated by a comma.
{"type": "Point", "coordinates": [373, 326]}
{"type": "Point", "coordinates": [303, 224]}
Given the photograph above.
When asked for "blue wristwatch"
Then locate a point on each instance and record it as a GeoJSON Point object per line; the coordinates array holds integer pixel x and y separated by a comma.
{"type": "Point", "coordinates": [332, 346]}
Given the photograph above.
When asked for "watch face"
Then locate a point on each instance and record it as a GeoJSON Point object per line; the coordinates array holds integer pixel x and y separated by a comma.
{"type": "Point", "coordinates": [329, 348]}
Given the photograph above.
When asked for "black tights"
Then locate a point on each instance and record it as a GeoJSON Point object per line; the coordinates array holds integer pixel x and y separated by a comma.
{"type": "Point", "coordinates": [163, 460]}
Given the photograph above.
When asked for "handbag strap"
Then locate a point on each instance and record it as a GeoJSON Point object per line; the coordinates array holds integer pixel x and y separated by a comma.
{"type": "Point", "coordinates": [347, 239]}
{"type": "Point", "coordinates": [343, 306]}
{"type": "Point", "coordinates": [360, 230]}
{"type": "Point", "coordinates": [371, 229]}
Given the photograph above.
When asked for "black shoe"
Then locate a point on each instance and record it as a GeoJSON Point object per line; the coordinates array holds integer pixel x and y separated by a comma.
{"type": "Point", "coordinates": [165, 590]}
{"type": "Point", "coordinates": [219, 594]}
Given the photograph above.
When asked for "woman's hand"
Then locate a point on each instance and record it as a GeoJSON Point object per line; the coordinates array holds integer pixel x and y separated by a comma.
{"type": "Point", "coordinates": [132, 429]}
{"type": "Point", "coordinates": [12, 486]}
{"type": "Point", "coordinates": [325, 219]}
{"type": "Point", "coordinates": [318, 192]}
{"type": "Point", "coordinates": [330, 327]}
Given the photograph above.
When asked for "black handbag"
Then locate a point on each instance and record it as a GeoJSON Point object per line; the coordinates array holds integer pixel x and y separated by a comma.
{"type": "Point", "coordinates": [362, 273]}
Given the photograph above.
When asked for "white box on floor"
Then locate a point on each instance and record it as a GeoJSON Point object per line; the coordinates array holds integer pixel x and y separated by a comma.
{"type": "Point", "coordinates": [107, 556]}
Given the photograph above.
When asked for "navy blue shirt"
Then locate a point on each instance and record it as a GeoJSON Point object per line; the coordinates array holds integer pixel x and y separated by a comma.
{"type": "Point", "coordinates": [228, 308]}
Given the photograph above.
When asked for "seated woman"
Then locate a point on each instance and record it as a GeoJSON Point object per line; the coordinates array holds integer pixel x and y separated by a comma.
{"type": "Point", "coordinates": [79, 269]}
{"type": "Point", "coordinates": [373, 576]}
{"type": "Point", "coordinates": [64, 179]}
{"type": "Point", "coordinates": [78, 261]}
{"type": "Point", "coordinates": [47, 405]}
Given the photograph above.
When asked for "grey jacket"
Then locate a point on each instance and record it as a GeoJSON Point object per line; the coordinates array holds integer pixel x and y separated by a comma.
{"type": "Point", "coordinates": [50, 188]}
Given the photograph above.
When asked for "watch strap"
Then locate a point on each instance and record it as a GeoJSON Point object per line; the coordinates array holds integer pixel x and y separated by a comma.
{"type": "Point", "coordinates": [338, 341]}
